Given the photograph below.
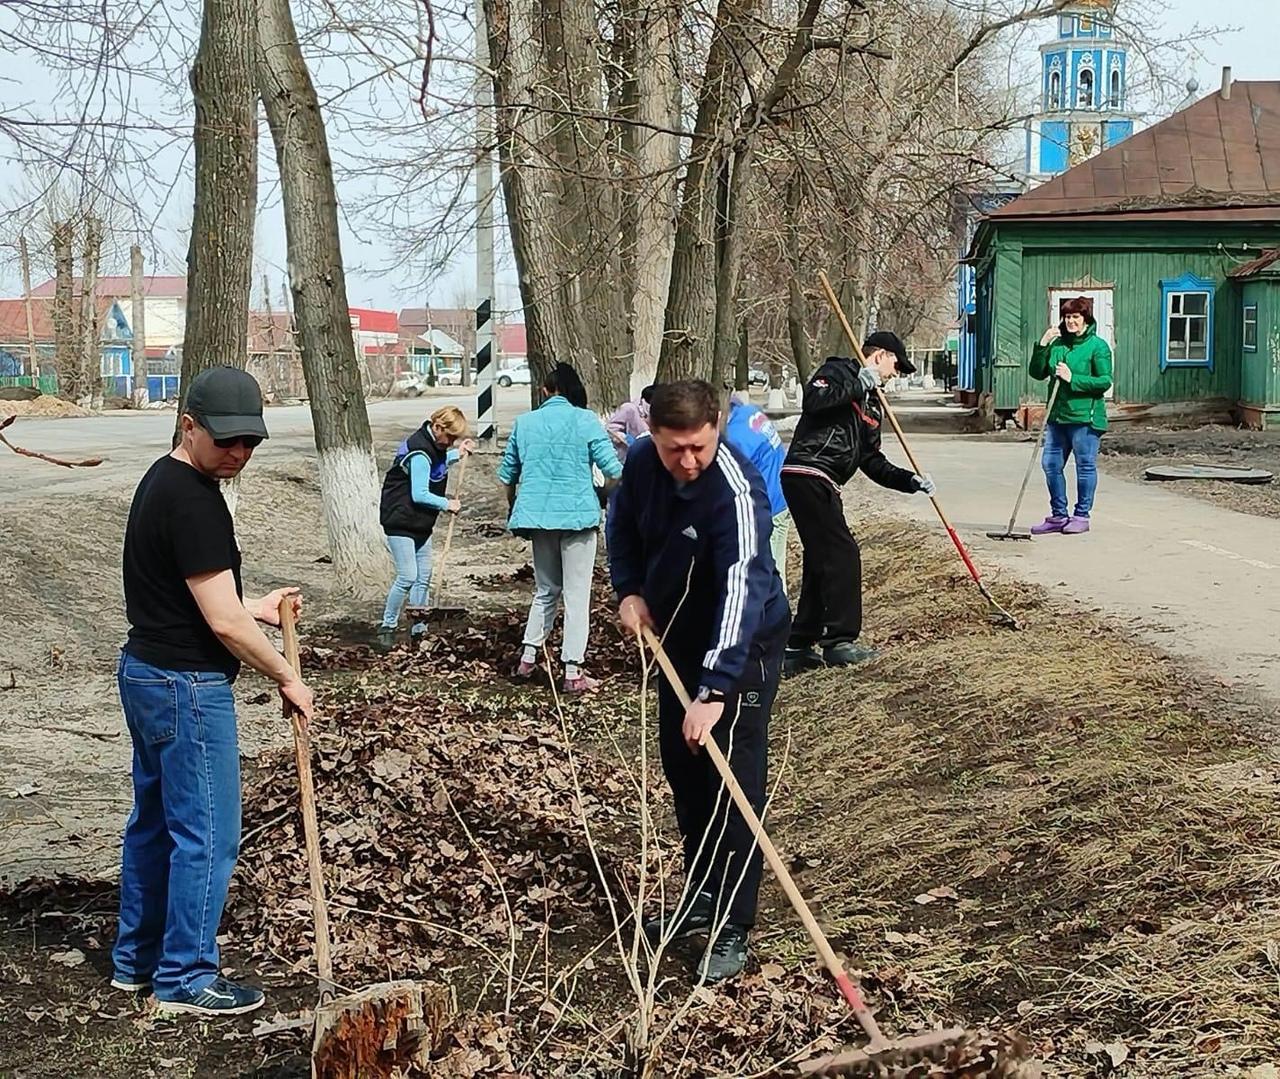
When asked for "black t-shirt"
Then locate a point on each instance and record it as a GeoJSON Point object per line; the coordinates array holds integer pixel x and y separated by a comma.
{"type": "Point", "coordinates": [179, 527]}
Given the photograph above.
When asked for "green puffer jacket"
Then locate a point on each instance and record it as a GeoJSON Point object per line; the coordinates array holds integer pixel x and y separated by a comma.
{"type": "Point", "coordinates": [1089, 357]}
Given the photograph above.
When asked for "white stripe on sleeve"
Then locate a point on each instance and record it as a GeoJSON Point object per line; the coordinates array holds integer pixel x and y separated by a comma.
{"type": "Point", "coordinates": [744, 512]}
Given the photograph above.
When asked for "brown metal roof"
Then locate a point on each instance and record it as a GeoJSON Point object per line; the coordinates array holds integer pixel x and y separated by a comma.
{"type": "Point", "coordinates": [1219, 154]}
{"type": "Point", "coordinates": [1262, 262]}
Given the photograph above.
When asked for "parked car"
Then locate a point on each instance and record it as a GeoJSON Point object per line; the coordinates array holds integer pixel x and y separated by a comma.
{"type": "Point", "coordinates": [515, 375]}
{"type": "Point", "coordinates": [409, 384]}
{"type": "Point", "coordinates": [757, 376]}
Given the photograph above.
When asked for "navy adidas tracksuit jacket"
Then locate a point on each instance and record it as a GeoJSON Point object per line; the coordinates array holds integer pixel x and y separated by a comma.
{"type": "Point", "coordinates": [699, 555]}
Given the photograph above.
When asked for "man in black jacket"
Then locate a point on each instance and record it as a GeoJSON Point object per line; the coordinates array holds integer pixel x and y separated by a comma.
{"type": "Point", "coordinates": [838, 434]}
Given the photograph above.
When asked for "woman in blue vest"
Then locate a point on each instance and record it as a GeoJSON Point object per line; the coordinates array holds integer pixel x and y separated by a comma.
{"type": "Point", "coordinates": [413, 496]}
{"type": "Point", "coordinates": [547, 472]}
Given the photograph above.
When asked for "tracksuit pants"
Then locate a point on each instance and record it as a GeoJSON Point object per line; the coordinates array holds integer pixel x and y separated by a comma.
{"type": "Point", "coordinates": [720, 853]}
{"type": "Point", "coordinates": [830, 607]}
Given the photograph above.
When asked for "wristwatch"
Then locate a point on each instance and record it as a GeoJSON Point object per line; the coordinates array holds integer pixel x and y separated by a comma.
{"type": "Point", "coordinates": [710, 696]}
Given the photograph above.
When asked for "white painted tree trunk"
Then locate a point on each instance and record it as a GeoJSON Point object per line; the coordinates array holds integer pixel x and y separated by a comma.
{"type": "Point", "coordinates": [349, 483]}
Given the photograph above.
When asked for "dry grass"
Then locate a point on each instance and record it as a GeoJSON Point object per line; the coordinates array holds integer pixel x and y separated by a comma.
{"type": "Point", "coordinates": [1107, 824]}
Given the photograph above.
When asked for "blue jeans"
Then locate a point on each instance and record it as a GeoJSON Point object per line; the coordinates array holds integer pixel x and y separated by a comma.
{"type": "Point", "coordinates": [183, 835]}
{"type": "Point", "coordinates": [413, 576]}
{"type": "Point", "coordinates": [1061, 441]}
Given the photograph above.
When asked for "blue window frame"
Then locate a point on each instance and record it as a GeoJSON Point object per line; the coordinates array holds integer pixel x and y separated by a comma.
{"type": "Point", "coordinates": [1186, 322]}
{"type": "Point", "coordinates": [1066, 25]}
{"type": "Point", "coordinates": [1251, 327]}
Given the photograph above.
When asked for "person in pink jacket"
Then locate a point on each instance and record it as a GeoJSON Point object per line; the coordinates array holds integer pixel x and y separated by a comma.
{"type": "Point", "coordinates": [629, 422]}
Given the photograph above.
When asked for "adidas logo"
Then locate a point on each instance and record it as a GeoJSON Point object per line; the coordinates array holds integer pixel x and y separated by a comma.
{"type": "Point", "coordinates": [691, 532]}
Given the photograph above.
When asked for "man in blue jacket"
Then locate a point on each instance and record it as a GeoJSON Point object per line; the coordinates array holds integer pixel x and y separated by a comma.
{"type": "Point", "coordinates": [752, 433]}
{"type": "Point", "coordinates": [689, 556]}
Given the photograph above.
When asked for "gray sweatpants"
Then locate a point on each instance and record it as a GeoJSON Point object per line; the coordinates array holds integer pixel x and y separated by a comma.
{"type": "Point", "coordinates": [563, 563]}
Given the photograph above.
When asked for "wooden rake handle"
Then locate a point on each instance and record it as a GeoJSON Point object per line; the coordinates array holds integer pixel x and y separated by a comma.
{"type": "Point", "coordinates": [848, 989]}
{"type": "Point", "coordinates": [448, 537]}
{"type": "Point", "coordinates": [307, 790]}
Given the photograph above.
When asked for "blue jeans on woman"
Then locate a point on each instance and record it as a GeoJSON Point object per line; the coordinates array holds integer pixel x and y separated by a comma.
{"type": "Point", "coordinates": [1061, 441]}
{"type": "Point", "coordinates": [413, 576]}
{"type": "Point", "coordinates": [183, 835]}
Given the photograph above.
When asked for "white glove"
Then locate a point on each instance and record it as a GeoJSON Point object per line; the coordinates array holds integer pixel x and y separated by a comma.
{"type": "Point", "coordinates": [870, 378]}
{"type": "Point", "coordinates": [925, 484]}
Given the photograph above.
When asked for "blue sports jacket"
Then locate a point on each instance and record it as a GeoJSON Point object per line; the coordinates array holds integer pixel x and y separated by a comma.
{"type": "Point", "coordinates": [753, 433]}
{"type": "Point", "coordinates": [699, 556]}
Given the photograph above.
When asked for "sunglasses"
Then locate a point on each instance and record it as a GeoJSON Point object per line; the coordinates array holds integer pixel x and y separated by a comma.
{"type": "Point", "coordinates": [249, 442]}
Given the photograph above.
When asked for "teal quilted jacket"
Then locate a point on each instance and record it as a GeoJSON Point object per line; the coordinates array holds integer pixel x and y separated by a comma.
{"type": "Point", "coordinates": [550, 454]}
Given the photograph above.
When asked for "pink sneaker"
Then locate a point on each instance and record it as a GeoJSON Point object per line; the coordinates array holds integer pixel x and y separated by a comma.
{"type": "Point", "coordinates": [1076, 526]}
{"type": "Point", "coordinates": [581, 684]}
{"type": "Point", "coordinates": [524, 671]}
{"type": "Point", "coordinates": [1050, 524]}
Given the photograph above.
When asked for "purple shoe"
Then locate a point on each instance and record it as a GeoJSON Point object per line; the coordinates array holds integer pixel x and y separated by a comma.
{"type": "Point", "coordinates": [1051, 524]}
{"type": "Point", "coordinates": [1075, 526]}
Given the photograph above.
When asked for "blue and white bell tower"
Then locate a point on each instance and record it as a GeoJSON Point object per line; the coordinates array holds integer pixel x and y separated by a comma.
{"type": "Point", "coordinates": [1084, 91]}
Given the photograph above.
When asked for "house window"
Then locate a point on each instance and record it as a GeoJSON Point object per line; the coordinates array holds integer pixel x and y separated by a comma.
{"type": "Point", "coordinates": [1251, 327]}
{"type": "Point", "coordinates": [1085, 95]}
{"type": "Point", "coordinates": [1115, 88]}
{"type": "Point", "coordinates": [1055, 90]}
{"type": "Point", "coordinates": [1064, 25]}
{"type": "Point", "coordinates": [1187, 322]}
{"type": "Point", "coordinates": [1086, 24]}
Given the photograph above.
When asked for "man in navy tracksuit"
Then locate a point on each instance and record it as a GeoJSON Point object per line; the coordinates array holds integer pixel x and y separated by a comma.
{"type": "Point", "coordinates": [689, 556]}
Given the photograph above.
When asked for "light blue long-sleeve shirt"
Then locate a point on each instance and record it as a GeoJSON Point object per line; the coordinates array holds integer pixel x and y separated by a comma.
{"type": "Point", "coordinates": [420, 479]}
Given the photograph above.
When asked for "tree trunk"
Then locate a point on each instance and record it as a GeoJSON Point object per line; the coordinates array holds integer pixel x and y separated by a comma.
{"type": "Point", "coordinates": [689, 337]}
{"type": "Point", "coordinates": [90, 334]}
{"type": "Point", "coordinates": [567, 260]}
{"type": "Point", "coordinates": [796, 331]}
{"type": "Point", "coordinates": [742, 361]}
{"type": "Point", "coordinates": [349, 481]}
{"type": "Point", "coordinates": [651, 99]}
{"type": "Point", "coordinates": [138, 316]}
{"type": "Point", "coordinates": [737, 183]}
{"type": "Point", "coordinates": [33, 363]}
{"type": "Point", "coordinates": [66, 347]}
{"type": "Point", "coordinates": [220, 253]}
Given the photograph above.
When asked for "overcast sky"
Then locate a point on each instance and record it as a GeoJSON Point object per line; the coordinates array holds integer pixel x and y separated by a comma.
{"type": "Point", "coordinates": [1249, 41]}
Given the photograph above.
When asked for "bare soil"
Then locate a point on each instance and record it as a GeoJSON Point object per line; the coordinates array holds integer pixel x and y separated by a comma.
{"type": "Point", "coordinates": [1129, 452]}
{"type": "Point", "coordinates": [1057, 835]}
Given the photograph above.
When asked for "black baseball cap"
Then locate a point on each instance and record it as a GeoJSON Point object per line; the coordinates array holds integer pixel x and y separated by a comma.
{"type": "Point", "coordinates": [891, 342]}
{"type": "Point", "coordinates": [227, 402]}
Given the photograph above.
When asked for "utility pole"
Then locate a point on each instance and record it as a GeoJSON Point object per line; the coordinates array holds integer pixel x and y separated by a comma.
{"type": "Point", "coordinates": [485, 429]}
{"type": "Point", "coordinates": [33, 365]}
{"type": "Point", "coordinates": [138, 316]}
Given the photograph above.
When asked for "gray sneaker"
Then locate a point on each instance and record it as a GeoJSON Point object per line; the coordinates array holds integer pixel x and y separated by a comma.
{"type": "Point", "coordinates": [847, 654]}
{"type": "Point", "coordinates": [386, 639]}
{"type": "Point", "coordinates": [726, 955]}
{"type": "Point", "coordinates": [694, 919]}
{"type": "Point", "coordinates": [220, 997]}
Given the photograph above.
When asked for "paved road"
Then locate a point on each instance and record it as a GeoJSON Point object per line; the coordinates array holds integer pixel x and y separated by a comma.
{"type": "Point", "coordinates": [132, 440]}
{"type": "Point", "coordinates": [1204, 581]}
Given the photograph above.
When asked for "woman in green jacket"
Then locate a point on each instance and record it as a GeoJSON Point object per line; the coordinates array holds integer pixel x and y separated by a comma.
{"type": "Point", "coordinates": [1074, 354]}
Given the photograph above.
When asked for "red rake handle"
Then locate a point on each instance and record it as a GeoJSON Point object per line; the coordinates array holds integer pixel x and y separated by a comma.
{"type": "Point", "coordinates": [851, 993]}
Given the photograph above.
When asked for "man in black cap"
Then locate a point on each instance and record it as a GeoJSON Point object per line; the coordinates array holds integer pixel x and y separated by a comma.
{"type": "Point", "coordinates": [838, 434]}
{"type": "Point", "coordinates": [189, 630]}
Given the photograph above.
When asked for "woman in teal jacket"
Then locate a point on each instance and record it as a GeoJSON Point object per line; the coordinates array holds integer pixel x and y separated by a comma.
{"type": "Point", "coordinates": [1074, 354]}
{"type": "Point", "coordinates": [547, 472]}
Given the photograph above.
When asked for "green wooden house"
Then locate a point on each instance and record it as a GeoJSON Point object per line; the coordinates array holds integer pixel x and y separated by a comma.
{"type": "Point", "coordinates": [1166, 233]}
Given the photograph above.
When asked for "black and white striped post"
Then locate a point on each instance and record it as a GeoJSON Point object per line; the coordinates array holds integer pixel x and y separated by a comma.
{"type": "Point", "coordinates": [485, 133]}
{"type": "Point", "coordinates": [484, 368]}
